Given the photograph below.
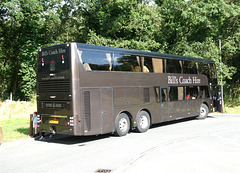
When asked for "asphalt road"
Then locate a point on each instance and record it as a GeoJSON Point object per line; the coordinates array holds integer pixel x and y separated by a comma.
{"type": "Point", "coordinates": [211, 145]}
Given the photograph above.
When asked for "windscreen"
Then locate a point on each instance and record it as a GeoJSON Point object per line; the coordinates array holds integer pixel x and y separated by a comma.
{"type": "Point", "coordinates": [54, 59]}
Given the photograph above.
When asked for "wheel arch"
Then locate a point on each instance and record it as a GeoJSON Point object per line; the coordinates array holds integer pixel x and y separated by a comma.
{"type": "Point", "coordinates": [206, 103]}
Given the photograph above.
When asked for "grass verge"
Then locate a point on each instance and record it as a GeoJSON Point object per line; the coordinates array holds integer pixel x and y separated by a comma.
{"type": "Point", "coordinates": [232, 110]}
{"type": "Point", "coordinates": [15, 128]}
{"type": "Point", "coordinates": [15, 119]}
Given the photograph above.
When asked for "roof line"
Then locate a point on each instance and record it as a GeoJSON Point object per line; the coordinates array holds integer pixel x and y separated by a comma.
{"type": "Point", "coordinates": [140, 53]}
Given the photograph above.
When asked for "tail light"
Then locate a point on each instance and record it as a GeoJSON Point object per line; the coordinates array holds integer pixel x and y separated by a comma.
{"type": "Point", "coordinates": [39, 120]}
{"type": "Point", "coordinates": [70, 122]}
{"type": "Point", "coordinates": [62, 59]}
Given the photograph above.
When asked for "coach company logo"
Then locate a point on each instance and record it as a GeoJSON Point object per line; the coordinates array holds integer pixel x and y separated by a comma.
{"type": "Point", "coordinates": [182, 80]}
{"type": "Point", "coordinates": [53, 52]}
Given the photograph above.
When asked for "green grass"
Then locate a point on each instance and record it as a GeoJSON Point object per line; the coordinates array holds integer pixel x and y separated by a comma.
{"type": "Point", "coordinates": [15, 119]}
{"type": "Point", "coordinates": [233, 110]}
{"type": "Point", "coordinates": [15, 128]}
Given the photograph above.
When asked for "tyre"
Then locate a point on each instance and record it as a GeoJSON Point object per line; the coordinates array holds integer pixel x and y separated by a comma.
{"type": "Point", "coordinates": [122, 125]}
{"type": "Point", "coordinates": [203, 111]}
{"type": "Point", "coordinates": [143, 122]}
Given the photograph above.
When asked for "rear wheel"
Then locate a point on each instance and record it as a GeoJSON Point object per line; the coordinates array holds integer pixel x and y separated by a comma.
{"type": "Point", "coordinates": [143, 121]}
{"type": "Point", "coordinates": [203, 112]}
{"type": "Point", "coordinates": [122, 124]}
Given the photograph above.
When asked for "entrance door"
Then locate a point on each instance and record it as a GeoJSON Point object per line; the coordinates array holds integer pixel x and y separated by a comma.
{"type": "Point", "coordinates": [217, 98]}
{"type": "Point", "coordinates": [164, 104]}
{"type": "Point", "coordinates": [107, 110]}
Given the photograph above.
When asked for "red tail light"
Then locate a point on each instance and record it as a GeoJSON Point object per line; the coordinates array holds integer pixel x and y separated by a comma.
{"type": "Point", "coordinates": [62, 59]}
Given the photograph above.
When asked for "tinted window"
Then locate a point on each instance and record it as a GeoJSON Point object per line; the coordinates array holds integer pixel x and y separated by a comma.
{"type": "Point", "coordinates": [164, 97]}
{"type": "Point", "coordinates": [173, 93]}
{"type": "Point", "coordinates": [126, 63]}
{"type": "Point", "coordinates": [173, 66]}
{"type": "Point", "coordinates": [158, 65]}
{"type": "Point", "coordinates": [147, 64]}
{"type": "Point", "coordinates": [213, 73]}
{"type": "Point", "coordinates": [189, 67]}
{"type": "Point", "coordinates": [192, 92]}
{"type": "Point", "coordinates": [204, 92]}
{"type": "Point", "coordinates": [204, 69]}
{"type": "Point", "coordinates": [157, 94]}
{"type": "Point", "coordinates": [176, 93]}
{"type": "Point", "coordinates": [94, 60]}
{"type": "Point", "coordinates": [181, 93]}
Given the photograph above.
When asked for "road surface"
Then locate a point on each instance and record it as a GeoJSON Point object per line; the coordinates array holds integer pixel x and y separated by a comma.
{"type": "Point", "coordinates": [210, 145]}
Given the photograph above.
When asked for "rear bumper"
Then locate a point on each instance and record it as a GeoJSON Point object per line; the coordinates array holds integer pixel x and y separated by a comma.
{"type": "Point", "coordinates": [60, 124]}
{"type": "Point", "coordinates": [58, 129]}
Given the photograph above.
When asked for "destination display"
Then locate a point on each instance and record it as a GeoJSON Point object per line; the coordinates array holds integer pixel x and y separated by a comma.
{"type": "Point", "coordinates": [54, 52]}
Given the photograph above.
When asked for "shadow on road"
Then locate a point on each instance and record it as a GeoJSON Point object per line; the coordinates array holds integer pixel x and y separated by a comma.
{"type": "Point", "coordinates": [71, 140]}
{"type": "Point", "coordinates": [173, 122]}
{"type": "Point", "coordinates": [177, 121]}
{"type": "Point", "coordinates": [81, 140]}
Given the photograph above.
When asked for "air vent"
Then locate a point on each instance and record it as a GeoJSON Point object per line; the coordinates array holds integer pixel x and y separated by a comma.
{"type": "Point", "coordinates": [54, 86]}
{"type": "Point", "coordinates": [87, 109]}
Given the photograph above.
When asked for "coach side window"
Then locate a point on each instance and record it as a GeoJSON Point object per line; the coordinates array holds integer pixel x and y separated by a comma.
{"type": "Point", "coordinates": [192, 92]}
{"type": "Point", "coordinates": [157, 94]}
{"type": "Point", "coordinates": [203, 68]}
{"type": "Point", "coordinates": [173, 93]}
{"type": "Point", "coordinates": [189, 67]}
{"type": "Point", "coordinates": [164, 96]}
{"type": "Point", "coordinates": [158, 65]}
{"type": "Point", "coordinates": [94, 60]}
{"type": "Point", "coordinates": [173, 66]}
{"type": "Point", "coordinates": [204, 92]}
{"type": "Point", "coordinates": [126, 63]}
{"type": "Point", "coordinates": [181, 93]}
{"type": "Point", "coordinates": [213, 73]}
{"type": "Point", "coordinates": [147, 64]}
{"type": "Point", "coordinates": [176, 93]}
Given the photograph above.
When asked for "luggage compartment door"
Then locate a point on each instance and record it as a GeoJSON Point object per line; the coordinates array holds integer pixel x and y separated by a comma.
{"type": "Point", "coordinates": [107, 123]}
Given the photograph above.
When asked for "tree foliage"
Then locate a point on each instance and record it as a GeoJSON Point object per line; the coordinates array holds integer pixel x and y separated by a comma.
{"type": "Point", "coordinates": [189, 28]}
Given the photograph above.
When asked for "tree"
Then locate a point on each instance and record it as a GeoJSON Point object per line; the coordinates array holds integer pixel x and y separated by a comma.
{"type": "Point", "coordinates": [189, 28]}
{"type": "Point", "coordinates": [127, 24]}
{"type": "Point", "coordinates": [23, 32]}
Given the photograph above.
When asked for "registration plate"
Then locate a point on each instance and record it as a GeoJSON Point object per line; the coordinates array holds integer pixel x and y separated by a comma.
{"type": "Point", "coordinates": [53, 121]}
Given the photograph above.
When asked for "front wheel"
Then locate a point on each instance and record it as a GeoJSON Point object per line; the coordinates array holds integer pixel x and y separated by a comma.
{"type": "Point", "coordinates": [203, 112]}
{"type": "Point", "coordinates": [122, 125]}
